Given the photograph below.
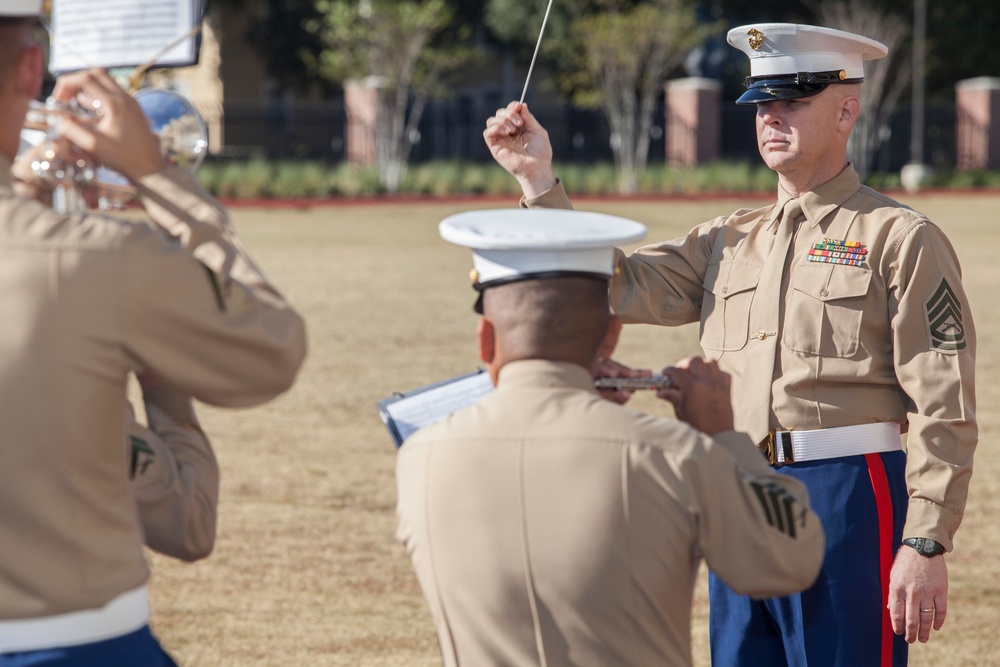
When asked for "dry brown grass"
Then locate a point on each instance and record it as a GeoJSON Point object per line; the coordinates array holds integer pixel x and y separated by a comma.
{"type": "Point", "coordinates": [306, 569]}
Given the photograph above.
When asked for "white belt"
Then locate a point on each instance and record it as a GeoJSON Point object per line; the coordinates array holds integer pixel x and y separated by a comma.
{"type": "Point", "coordinates": [781, 447]}
{"type": "Point", "coordinates": [125, 614]}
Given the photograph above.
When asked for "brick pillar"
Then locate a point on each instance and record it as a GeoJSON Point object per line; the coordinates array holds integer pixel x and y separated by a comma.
{"type": "Point", "coordinates": [361, 107]}
{"type": "Point", "coordinates": [693, 121]}
{"type": "Point", "coordinates": [977, 107]}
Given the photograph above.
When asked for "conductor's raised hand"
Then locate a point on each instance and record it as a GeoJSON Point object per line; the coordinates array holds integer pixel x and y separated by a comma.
{"type": "Point", "coordinates": [121, 139]}
{"type": "Point", "coordinates": [521, 146]}
{"type": "Point", "coordinates": [701, 394]}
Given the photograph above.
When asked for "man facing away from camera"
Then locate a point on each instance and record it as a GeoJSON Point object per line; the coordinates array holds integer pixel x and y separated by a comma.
{"type": "Point", "coordinates": [85, 300]}
{"type": "Point", "coordinates": [841, 316]}
{"type": "Point", "coordinates": [550, 526]}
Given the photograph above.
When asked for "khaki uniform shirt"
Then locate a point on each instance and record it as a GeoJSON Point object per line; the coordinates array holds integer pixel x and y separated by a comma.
{"type": "Point", "coordinates": [174, 474]}
{"type": "Point", "coordinates": [887, 339]}
{"type": "Point", "coordinates": [84, 300]}
{"type": "Point", "coordinates": [550, 526]}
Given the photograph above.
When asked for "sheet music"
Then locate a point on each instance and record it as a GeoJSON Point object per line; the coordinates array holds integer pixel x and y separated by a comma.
{"type": "Point", "coordinates": [121, 33]}
{"type": "Point", "coordinates": [414, 410]}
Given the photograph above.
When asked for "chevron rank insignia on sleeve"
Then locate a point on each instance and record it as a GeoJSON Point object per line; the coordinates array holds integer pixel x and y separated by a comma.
{"type": "Point", "coordinates": [944, 318]}
{"type": "Point", "coordinates": [142, 456]}
{"type": "Point", "coordinates": [781, 509]}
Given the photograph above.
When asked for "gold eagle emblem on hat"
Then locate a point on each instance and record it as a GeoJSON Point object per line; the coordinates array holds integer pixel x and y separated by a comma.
{"type": "Point", "coordinates": [756, 38]}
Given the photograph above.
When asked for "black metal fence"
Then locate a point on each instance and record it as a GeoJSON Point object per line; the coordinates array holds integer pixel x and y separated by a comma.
{"type": "Point", "coordinates": [940, 139]}
{"type": "Point", "coordinates": [279, 130]}
{"type": "Point", "coordinates": [452, 130]}
{"type": "Point", "coordinates": [739, 140]}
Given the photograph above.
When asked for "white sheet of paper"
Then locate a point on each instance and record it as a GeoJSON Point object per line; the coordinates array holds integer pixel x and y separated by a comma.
{"type": "Point", "coordinates": [419, 409]}
{"type": "Point", "coordinates": [121, 33]}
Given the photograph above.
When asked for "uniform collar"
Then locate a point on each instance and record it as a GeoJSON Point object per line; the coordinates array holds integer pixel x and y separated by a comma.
{"type": "Point", "coordinates": [544, 373]}
{"type": "Point", "coordinates": [819, 203]}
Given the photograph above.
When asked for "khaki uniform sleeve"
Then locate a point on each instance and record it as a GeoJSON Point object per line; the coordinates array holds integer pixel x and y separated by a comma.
{"type": "Point", "coordinates": [658, 284]}
{"type": "Point", "coordinates": [664, 283]}
{"type": "Point", "coordinates": [197, 311]}
{"type": "Point", "coordinates": [756, 529]}
{"type": "Point", "coordinates": [174, 476]}
{"type": "Point", "coordinates": [934, 348]}
{"type": "Point", "coordinates": [554, 198]}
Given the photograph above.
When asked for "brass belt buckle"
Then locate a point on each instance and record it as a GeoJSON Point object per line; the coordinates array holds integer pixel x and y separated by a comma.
{"type": "Point", "coordinates": [766, 447]}
{"type": "Point", "coordinates": [777, 448]}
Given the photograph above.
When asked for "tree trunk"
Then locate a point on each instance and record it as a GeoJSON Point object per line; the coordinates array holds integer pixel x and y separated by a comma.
{"type": "Point", "coordinates": [621, 114]}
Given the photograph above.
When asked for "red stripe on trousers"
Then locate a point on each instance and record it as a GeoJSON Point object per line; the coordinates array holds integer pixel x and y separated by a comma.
{"type": "Point", "coordinates": [883, 507]}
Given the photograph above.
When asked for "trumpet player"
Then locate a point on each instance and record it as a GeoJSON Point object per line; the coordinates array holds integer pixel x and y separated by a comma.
{"type": "Point", "coordinates": [85, 300]}
{"type": "Point", "coordinates": [548, 526]}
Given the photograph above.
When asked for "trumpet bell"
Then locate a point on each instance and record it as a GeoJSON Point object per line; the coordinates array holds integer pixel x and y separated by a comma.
{"type": "Point", "coordinates": [180, 128]}
{"type": "Point", "coordinates": [182, 131]}
{"type": "Point", "coordinates": [183, 140]}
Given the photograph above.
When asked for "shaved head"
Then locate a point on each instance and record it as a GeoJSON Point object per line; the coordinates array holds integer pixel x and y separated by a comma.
{"type": "Point", "coordinates": [560, 319]}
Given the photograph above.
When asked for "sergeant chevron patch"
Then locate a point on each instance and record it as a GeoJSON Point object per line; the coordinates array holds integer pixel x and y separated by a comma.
{"type": "Point", "coordinates": [142, 456]}
{"type": "Point", "coordinates": [780, 508]}
{"type": "Point", "coordinates": [944, 318]}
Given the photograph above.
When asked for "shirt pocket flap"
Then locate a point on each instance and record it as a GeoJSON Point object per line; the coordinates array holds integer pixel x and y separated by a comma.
{"type": "Point", "coordinates": [828, 282]}
{"type": "Point", "coordinates": [728, 278]}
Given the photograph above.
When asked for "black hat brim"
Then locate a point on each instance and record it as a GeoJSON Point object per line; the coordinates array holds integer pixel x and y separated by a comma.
{"type": "Point", "coordinates": [760, 92]}
{"type": "Point", "coordinates": [541, 275]}
{"type": "Point", "coordinates": [771, 88]}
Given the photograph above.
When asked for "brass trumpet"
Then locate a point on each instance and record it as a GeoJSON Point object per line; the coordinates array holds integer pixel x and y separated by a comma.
{"type": "Point", "coordinates": [180, 128]}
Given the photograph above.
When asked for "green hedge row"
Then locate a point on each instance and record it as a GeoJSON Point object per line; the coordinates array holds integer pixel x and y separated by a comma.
{"type": "Point", "coordinates": [260, 179]}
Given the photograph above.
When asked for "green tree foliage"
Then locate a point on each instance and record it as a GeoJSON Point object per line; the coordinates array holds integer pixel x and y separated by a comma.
{"type": "Point", "coordinates": [615, 55]}
{"type": "Point", "coordinates": [628, 55]}
{"type": "Point", "coordinates": [961, 43]}
{"type": "Point", "coordinates": [405, 49]}
{"type": "Point", "coordinates": [885, 78]}
{"type": "Point", "coordinates": [516, 23]}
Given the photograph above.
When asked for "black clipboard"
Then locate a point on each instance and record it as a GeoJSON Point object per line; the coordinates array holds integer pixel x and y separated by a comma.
{"type": "Point", "coordinates": [405, 413]}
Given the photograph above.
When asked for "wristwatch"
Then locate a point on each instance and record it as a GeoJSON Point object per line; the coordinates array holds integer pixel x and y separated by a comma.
{"type": "Point", "coordinates": [925, 546]}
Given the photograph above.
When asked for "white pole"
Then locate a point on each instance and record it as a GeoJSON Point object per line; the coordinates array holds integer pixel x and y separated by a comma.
{"type": "Point", "coordinates": [915, 173]}
{"type": "Point", "coordinates": [919, 61]}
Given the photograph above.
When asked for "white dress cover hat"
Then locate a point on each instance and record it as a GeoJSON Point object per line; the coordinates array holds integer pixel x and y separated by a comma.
{"type": "Point", "coordinates": [529, 244]}
{"type": "Point", "coordinates": [788, 60]}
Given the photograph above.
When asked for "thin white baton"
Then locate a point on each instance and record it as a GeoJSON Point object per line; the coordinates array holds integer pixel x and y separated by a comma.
{"type": "Point", "coordinates": [531, 67]}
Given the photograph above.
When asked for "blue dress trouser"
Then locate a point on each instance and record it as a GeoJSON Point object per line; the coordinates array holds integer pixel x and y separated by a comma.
{"type": "Point", "coordinates": [136, 649]}
{"type": "Point", "coordinates": [841, 621]}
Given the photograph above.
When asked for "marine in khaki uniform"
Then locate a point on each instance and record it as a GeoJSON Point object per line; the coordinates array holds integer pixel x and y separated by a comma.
{"type": "Point", "coordinates": [85, 300]}
{"type": "Point", "coordinates": [174, 474]}
{"type": "Point", "coordinates": [550, 526]}
{"type": "Point", "coordinates": [841, 317]}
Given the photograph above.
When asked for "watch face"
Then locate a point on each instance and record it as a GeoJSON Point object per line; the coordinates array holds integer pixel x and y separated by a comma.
{"type": "Point", "coordinates": [927, 547]}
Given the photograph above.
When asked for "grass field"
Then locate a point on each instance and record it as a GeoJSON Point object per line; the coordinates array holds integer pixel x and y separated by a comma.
{"type": "Point", "coordinates": [306, 570]}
